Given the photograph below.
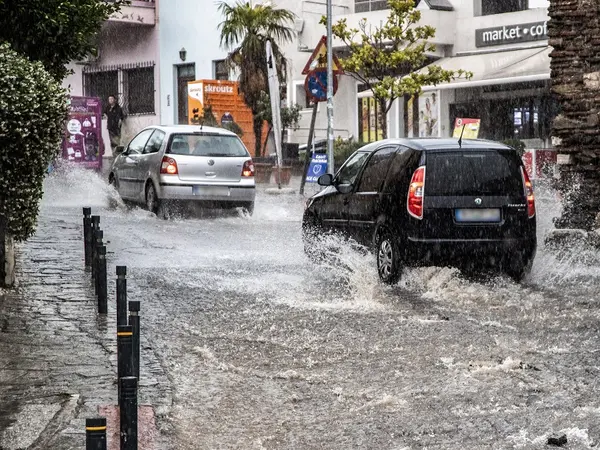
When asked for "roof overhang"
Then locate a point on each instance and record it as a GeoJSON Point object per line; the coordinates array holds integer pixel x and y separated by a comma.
{"type": "Point", "coordinates": [514, 66]}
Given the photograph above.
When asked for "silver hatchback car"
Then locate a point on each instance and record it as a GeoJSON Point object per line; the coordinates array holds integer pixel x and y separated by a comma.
{"type": "Point", "coordinates": [206, 166]}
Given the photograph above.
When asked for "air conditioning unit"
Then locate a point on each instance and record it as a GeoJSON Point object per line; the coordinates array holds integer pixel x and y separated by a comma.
{"type": "Point", "coordinates": [90, 59]}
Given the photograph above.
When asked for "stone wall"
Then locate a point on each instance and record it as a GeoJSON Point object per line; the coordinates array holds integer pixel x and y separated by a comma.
{"type": "Point", "coordinates": [574, 33]}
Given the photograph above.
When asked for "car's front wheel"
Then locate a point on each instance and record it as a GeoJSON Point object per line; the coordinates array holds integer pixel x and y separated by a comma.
{"type": "Point", "coordinates": [389, 263]}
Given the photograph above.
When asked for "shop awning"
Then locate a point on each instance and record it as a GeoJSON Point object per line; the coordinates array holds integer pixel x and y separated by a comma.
{"type": "Point", "coordinates": [516, 66]}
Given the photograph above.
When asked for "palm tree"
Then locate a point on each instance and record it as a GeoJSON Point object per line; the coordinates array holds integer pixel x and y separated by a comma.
{"type": "Point", "coordinates": [244, 32]}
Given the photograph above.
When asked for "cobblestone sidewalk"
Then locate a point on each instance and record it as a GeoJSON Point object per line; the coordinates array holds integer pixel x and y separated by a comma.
{"type": "Point", "coordinates": [58, 362]}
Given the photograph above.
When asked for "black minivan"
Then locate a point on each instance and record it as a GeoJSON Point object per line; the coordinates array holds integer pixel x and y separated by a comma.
{"type": "Point", "coordinates": [430, 201]}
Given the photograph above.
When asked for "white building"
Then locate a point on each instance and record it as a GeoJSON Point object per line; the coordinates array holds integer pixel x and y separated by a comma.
{"type": "Point", "coordinates": [126, 66]}
{"type": "Point", "coordinates": [150, 51]}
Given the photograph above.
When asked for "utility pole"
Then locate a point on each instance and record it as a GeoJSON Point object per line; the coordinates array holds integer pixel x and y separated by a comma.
{"type": "Point", "coordinates": [330, 168]}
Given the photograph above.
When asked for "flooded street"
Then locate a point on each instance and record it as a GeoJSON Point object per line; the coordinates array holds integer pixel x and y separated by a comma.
{"type": "Point", "coordinates": [263, 350]}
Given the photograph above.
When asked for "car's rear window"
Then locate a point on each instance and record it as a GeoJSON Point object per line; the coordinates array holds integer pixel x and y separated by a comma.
{"type": "Point", "coordinates": [206, 145]}
{"type": "Point", "coordinates": [473, 172]}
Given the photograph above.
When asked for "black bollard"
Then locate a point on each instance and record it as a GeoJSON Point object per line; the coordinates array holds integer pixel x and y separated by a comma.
{"type": "Point", "coordinates": [87, 235]}
{"type": "Point", "coordinates": [99, 235]}
{"type": "Point", "coordinates": [102, 282]}
{"type": "Point", "coordinates": [124, 352]}
{"type": "Point", "coordinates": [121, 295]}
{"type": "Point", "coordinates": [128, 413]}
{"type": "Point", "coordinates": [94, 228]}
{"type": "Point", "coordinates": [95, 434]}
{"type": "Point", "coordinates": [134, 321]}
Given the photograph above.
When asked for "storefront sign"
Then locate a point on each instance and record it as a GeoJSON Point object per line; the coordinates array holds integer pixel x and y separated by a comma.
{"type": "Point", "coordinates": [318, 167]}
{"type": "Point", "coordinates": [471, 128]}
{"type": "Point", "coordinates": [82, 143]}
{"type": "Point", "coordinates": [511, 34]}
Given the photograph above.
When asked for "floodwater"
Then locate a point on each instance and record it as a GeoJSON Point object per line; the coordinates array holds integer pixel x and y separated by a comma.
{"type": "Point", "coordinates": [264, 350]}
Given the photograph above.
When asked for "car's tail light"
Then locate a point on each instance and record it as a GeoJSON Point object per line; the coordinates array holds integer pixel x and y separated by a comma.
{"type": "Point", "coordinates": [169, 166]}
{"type": "Point", "coordinates": [248, 169]}
{"type": "Point", "coordinates": [416, 193]}
{"type": "Point", "coordinates": [528, 193]}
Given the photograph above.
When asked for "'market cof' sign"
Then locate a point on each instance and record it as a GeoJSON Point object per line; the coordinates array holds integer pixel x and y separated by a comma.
{"type": "Point", "coordinates": [511, 34]}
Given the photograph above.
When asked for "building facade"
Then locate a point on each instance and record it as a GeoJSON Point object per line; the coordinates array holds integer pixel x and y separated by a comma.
{"type": "Point", "coordinates": [502, 42]}
{"type": "Point", "coordinates": [126, 66]}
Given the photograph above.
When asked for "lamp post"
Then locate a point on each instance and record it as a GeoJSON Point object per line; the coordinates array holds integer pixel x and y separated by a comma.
{"type": "Point", "coordinates": [330, 167]}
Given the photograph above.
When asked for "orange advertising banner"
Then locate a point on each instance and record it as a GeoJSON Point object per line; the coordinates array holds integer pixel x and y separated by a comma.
{"type": "Point", "coordinates": [227, 104]}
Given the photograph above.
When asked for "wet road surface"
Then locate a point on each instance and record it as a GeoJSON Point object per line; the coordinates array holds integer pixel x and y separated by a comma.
{"type": "Point", "coordinates": [253, 347]}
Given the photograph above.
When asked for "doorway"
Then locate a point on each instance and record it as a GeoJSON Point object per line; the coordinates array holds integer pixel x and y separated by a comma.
{"type": "Point", "coordinates": [185, 73]}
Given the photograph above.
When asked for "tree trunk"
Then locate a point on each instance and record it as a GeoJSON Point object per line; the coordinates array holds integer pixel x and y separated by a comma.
{"type": "Point", "coordinates": [575, 72]}
{"type": "Point", "coordinates": [7, 256]}
{"type": "Point", "coordinates": [257, 125]}
{"type": "Point", "coordinates": [382, 117]}
{"type": "Point", "coordinates": [264, 147]}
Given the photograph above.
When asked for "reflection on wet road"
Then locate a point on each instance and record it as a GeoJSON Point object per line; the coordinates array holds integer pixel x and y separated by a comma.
{"type": "Point", "coordinates": [264, 350]}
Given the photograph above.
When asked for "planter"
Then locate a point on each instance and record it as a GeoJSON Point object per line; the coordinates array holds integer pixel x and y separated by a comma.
{"type": "Point", "coordinates": [286, 174]}
{"type": "Point", "coordinates": [7, 256]}
{"type": "Point", "coordinates": [262, 172]}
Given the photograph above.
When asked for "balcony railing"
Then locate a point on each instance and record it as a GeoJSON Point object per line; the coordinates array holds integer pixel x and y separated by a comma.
{"type": "Point", "coordinates": [137, 12]}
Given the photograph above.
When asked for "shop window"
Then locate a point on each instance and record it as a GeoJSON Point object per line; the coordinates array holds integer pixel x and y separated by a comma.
{"type": "Point", "coordinates": [220, 69]}
{"type": "Point", "coordinates": [370, 119]}
{"type": "Point", "coordinates": [489, 7]}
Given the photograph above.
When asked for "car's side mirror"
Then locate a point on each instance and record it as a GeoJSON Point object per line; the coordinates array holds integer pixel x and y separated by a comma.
{"type": "Point", "coordinates": [120, 150]}
{"type": "Point", "coordinates": [325, 180]}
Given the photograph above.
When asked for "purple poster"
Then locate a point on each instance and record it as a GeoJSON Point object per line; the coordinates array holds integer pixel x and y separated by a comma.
{"type": "Point", "coordinates": [83, 138]}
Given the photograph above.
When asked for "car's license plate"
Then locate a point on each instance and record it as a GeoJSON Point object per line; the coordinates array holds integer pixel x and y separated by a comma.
{"type": "Point", "coordinates": [478, 215]}
{"type": "Point", "coordinates": [211, 191]}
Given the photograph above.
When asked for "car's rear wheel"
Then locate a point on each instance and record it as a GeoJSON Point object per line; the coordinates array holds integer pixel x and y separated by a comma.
{"type": "Point", "coordinates": [518, 269]}
{"type": "Point", "coordinates": [248, 208]}
{"type": "Point", "coordinates": [152, 201]}
{"type": "Point", "coordinates": [389, 263]}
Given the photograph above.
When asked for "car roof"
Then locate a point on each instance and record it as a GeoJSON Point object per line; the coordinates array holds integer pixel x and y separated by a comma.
{"type": "Point", "coordinates": [424, 144]}
{"type": "Point", "coordinates": [170, 129]}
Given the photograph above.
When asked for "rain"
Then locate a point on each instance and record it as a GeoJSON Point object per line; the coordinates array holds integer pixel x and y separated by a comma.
{"type": "Point", "coordinates": [259, 348]}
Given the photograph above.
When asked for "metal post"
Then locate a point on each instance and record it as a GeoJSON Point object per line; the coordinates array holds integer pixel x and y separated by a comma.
{"type": "Point", "coordinates": [134, 321]}
{"type": "Point", "coordinates": [99, 235]}
{"type": "Point", "coordinates": [95, 227]}
{"type": "Point", "coordinates": [330, 168]}
{"type": "Point", "coordinates": [309, 145]}
{"type": "Point", "coordinates": [95, 434]}
{"type": "Point", "coordinates": [121, 295]}
{"type": "Point", "coordinates": [102, 282]}
{"type": "Point", "coordinates": [124, 352]}
{"type": "Point", "coordinates": [128, 413]}
{"type": "Point", "coordinates": [87, 236]}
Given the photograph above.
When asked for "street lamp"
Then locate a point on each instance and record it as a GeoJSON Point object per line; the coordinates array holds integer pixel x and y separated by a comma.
{"type": "Point", "coordinates": [329, 88]}
{"type": "Point", "coordinates": [182, 53]}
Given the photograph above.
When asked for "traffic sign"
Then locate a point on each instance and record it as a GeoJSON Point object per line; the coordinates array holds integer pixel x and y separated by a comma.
{"type": "Point", "coordinates": [318, 59]}
{"type": "Point", "coordinates": [315, 85]}
{"type": "Point", "coordinates": [318, 167]}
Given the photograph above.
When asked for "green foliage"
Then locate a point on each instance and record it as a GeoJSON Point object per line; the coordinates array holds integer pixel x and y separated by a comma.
{"type": "Point", "coordinates": [290, 115]}
{"type": "Point", "coordinates": [234, 128]}
{"type": "Point", "coordinates": [208, 118]}
{"type": "Point", "coordinates": [387, 57]}
{"type": "Point", "coordinates": [342, 149]}
{"type": "Point", "coordinates": [33, 107]}
{"type": "Point", "coordinates": [245, 32]}
{"type": "Point", "coordinates": [54, 32]}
